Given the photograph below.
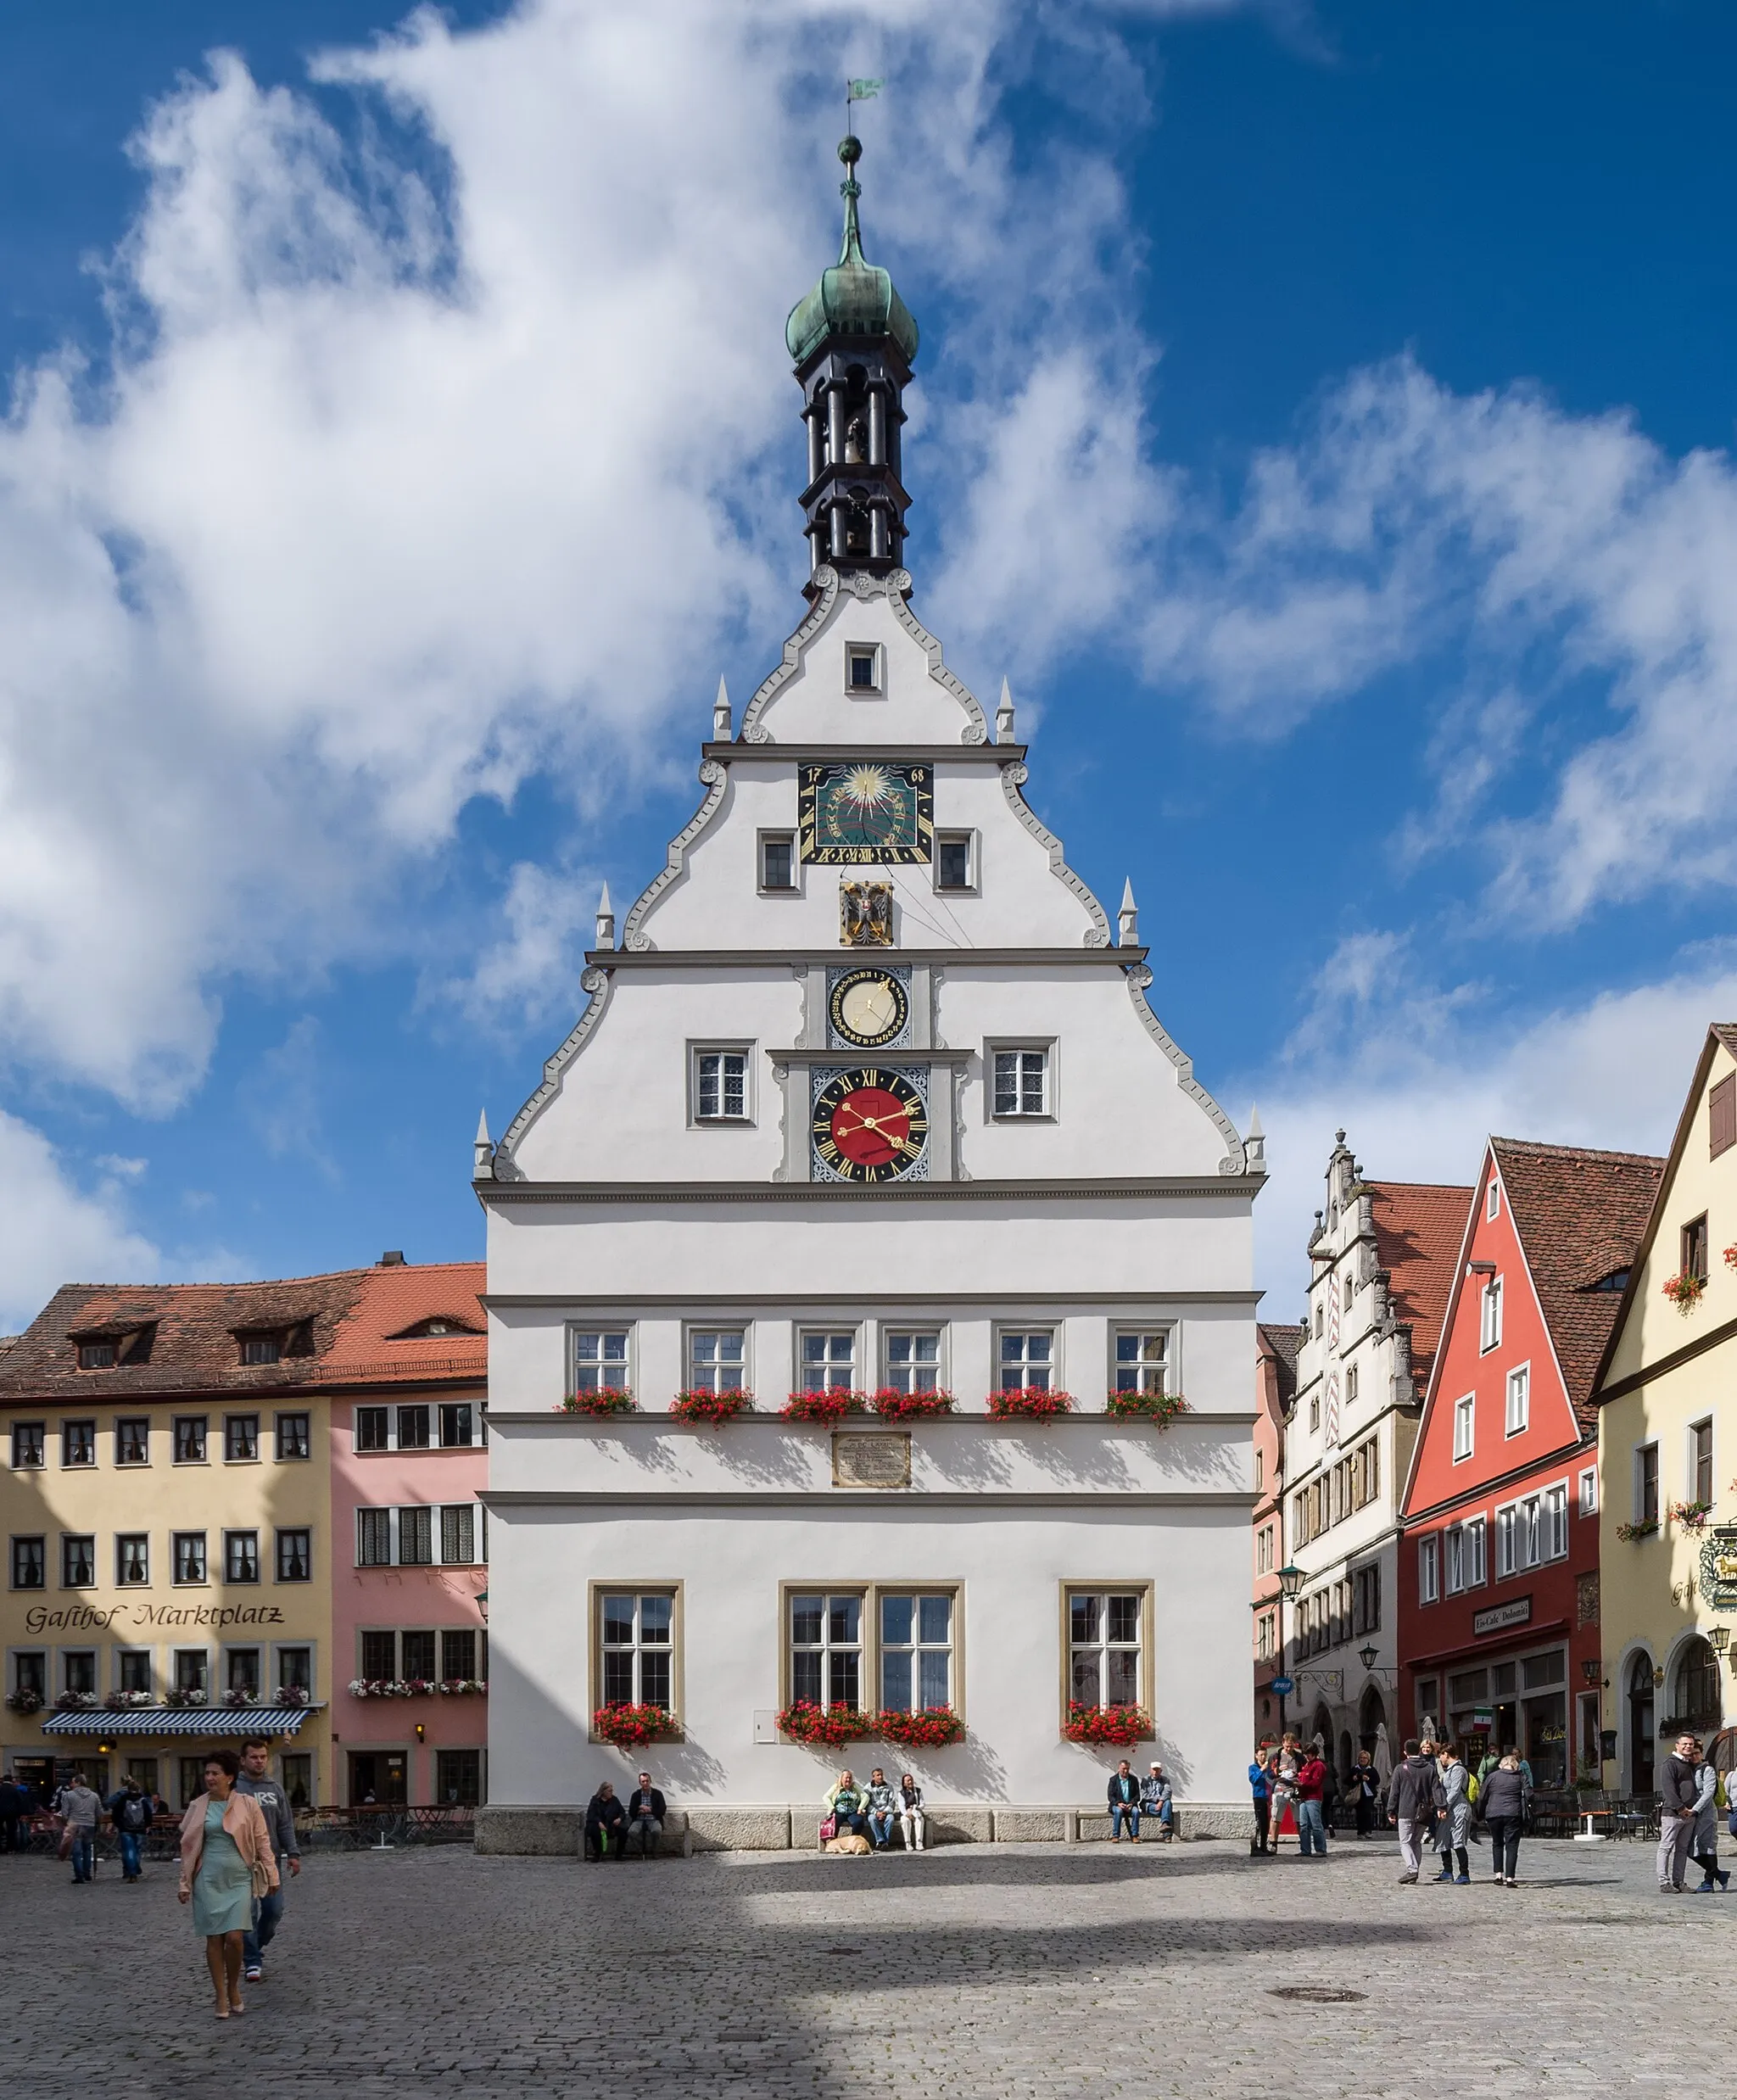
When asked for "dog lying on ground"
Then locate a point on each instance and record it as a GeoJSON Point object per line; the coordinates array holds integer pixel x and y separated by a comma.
{"type": "Point", "coordinates": [849, 1843]}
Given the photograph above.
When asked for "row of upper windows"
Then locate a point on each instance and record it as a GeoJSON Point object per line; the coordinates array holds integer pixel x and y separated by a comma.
{"type": "Point", "coordinates": [423, 1654]}
{"type": "Point", "coordinates": [190, 1440]}
{"type": "Point", "coordinates": [1351, 1485]}
{"type": "Point", "coordinates": [190, 1562]}
{"type": "Point", "coordinates": [245, 1671]}
{"type": "Point", "coordinates": [955, 867]}
{"type": "Point", "coordinates": [892, 1647]}
{"type": "Point", "coordinates": [1339, 1611]}
{"type": "Point", "coordinates": [721, 1083]}
{"type": "Point", "coordinates": [450, 1534]}
{"type": "Point", "coordinates": [1517, 1415]}
{"type": "Point", "coordinates": [119, 1347]}
{"type": "Point", "coordinates": [836, 1359]}
{"type": "Point", "coordinates": [452, 1425]}
{"type": "Point", "coordinates": [1529, 1532]}
{"type": "Point", "coordinates": [1698, 1473]}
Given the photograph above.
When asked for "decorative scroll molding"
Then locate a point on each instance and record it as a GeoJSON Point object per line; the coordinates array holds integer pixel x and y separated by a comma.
{"type": "Point", "coordinates": [800, 972]}
{"type": "Point", "coordinates": [895, 589]}
{"type": "Point", "coordinates": [1013, 778]}
{"type": "Point", "coordinates": [716, 778]}
{"type": "Point", "coordinates": [597, 983]}
{"type": "Point", "coordinates": [780, 1073]}
{"type": "Point", "coordinates": [1235, 1160]}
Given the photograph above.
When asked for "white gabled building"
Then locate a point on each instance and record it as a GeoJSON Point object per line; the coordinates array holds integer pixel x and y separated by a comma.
{"type": "Point", "coordinates": [1381, 1258]}
{"type": "Point", "coordinates": [868, 1095]}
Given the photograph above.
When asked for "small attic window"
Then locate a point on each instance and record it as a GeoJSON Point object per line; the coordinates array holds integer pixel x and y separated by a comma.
{"type": "Point", "coordinates": [862, 668]}
{"type": "Point", "coordinates": [106, 1352]}
{"type": "Point", "coordinates": [1617, 1280]}
{"type": "Point", "coordinates": [261, 1349]}
{"type": "Point", "coordinates": [99, 1355]}
{"type": "Point", "coordinates": [433, 1329]}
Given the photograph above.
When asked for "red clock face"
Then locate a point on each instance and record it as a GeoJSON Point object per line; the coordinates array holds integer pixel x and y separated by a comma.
{"type": "Point", "coordinates": [869, 1126]}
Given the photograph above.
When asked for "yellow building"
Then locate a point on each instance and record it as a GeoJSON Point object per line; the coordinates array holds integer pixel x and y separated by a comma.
{"type": "Point", "coordinates": [1667, 1444]}
{"type": "Point", "coordinates": [167, 1520]}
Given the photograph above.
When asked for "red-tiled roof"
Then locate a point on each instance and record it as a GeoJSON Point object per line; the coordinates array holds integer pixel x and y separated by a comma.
{"type": "Point", "coordinates": [1281, 1341]}
{"type": "Point", "coordinates": [1580, 1216]}
{"type": "Point", "coordinates": [188, 1334]}
{"type": "Point", "coordinates": [1418, 1228]}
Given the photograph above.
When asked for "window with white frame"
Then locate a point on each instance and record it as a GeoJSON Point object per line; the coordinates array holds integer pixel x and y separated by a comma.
{"type": "Point", "coordinates": [1021, 1082]}
{"type": "Point", "coordinates": [599, 1359]}
{"type": "Point", "coordinates": [717, 1360]}
{"type": "Point", "coordinates": [778, 861]}
{"type": "Point", "coordinates": [912, 1360]}
{"type": "Point", "coordinates": [1507, 1546]}
{"type": "Point", "coordinates": [916, 1649]}
{"type": "Point", "coordinates": [1027, 1360]}
{"type": "Point", "coordinates": [1554, 1541]}
{"type": "Point", "coordinates": [1105, 1629]}
{"type": "Point", "coordinates": [1428, 1569]}
{"type": "Point", "coordinates": [1490, 1328]}
{"type": "Point", "coordinates": [955, 860]}
{"type": "Point", "coordinates": [825, 1654]}
{"type": "Point", "coordinates": [1493, 1200]}
{"type": "Point", "coordinates": [1142, 1360]}
{"type": "Point", "coordinates": [1588, 1497]}
{"type": "Point", "coordinates": [636, 1646]}
{"type": "Point", "coordinates": [829, 1361]}
{"type": "Point", "coordinates": [720, 1086]}
{"type": "Point", "coordinates": [1263, 1550]}
{"type": "Point", "coordinates": [1519, 1398]}
{"type": "Point", "coordinates": [1454, 1559]}
{"type": "Point", "coordinates": [1464, 1421]}
{"type": "Point", "coordinates": [1265, 1634]}
{"type": "Point", "coordinates": [1476, 1550]}
{"type": "Point", "coordinates": [862, 668]}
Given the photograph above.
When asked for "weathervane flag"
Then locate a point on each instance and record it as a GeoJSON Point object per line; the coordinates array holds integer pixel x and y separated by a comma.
{"type": "Point", "coordinates": [862, 90]}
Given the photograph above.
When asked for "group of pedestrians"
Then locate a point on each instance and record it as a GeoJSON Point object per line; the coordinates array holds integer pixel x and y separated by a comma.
{"type": "Point", "coordinates": [1689, 1820]}
{"type": "Point", "coordinates": [237, 1844]}
{"type": "Point", "coordinates": [870, 1812]}
{"type": "Point", "coordinates": [1286, 1779]}
{"type": "Point", "coordinates": [1433, 1798]}
{"type": "Point", "coordinates": [609, 1822]}
{"type": "Point", "coordinates": [1130, 1799]}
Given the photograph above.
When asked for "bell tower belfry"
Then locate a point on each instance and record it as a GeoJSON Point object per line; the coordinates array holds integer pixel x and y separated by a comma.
{"type": "Point", "coordinates": [854, 343]}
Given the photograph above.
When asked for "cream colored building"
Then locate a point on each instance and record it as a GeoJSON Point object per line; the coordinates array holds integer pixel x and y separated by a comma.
{"type": "Point", "coordinates": [1667, 1444]}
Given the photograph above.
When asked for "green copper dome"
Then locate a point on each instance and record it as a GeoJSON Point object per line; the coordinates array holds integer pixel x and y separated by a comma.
{"type": "Point", "coordinates": [853, 297]}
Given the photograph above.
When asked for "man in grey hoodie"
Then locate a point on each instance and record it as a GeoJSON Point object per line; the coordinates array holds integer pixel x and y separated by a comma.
{"type": "Point", "coordinates": [1679, 1790]}
{"type": "Point", "coordinates": [1410, 1796]}
{"type": "Point", "coordinates": [255, 1778]}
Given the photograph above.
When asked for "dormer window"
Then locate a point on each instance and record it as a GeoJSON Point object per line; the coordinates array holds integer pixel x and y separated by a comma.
{"type": "Point", "coordinates": [106, 1352]}
{"type": "Point", "coordinates": [261, 1349]}
{"type": "Point", "coordinates": [271, 1345]}
{"type": "Point", "coordinates": [96, 1355]}
{"type": "Point", "coordinates": [862, 665]}
{"type": "Point", "coordinates": [433, 1329]}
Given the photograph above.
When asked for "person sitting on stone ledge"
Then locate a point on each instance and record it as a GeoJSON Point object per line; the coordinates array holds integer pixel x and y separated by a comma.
{"type": "Point", "coordinates": [1124, 1803]}
{"type": "Point", "coordinates": [847, 1806]}
{"type": "Point", "coordinates": [909, 1804]}
{"type": "Point", "coordinates": [883, 1807]}
{"type": "Point", "coordinates": [606, 1824]}
{"type": "Point", "coordinates": [646, 1814]}
{"type": "Point", "coordinates": [1156, 1804]}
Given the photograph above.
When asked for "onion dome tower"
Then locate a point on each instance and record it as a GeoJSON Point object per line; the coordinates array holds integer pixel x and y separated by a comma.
{"type": "Point", "coordinates": [854, 343]}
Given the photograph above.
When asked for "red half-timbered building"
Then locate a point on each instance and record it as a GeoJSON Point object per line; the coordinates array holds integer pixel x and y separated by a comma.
{"type": "Point", "coordinates": [1499, 1564]}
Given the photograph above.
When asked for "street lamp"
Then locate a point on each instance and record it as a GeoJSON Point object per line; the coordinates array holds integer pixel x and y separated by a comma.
{"type": "Point", "coordinates": [1366, 1655]}
{"type": "Point", "coordinates": [1291, 1581]}
{"type": "Point", "coordinates": [1718, 1639]}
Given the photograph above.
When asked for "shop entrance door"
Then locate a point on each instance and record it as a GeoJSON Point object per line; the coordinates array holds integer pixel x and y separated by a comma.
{"type": "Point", "coordinates": [377, 1778]}
{"type": "Point", "coordinates": [1640, 1725]}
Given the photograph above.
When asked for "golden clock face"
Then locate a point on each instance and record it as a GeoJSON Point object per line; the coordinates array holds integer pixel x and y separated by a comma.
{"type": "Point", "coordinates": [868, 1006]}
{"type": "Point", "coordinates": [870, 1127]}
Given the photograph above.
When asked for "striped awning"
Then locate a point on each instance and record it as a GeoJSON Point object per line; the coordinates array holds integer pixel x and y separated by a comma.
{"type": "Point", "coordinates": [234, 1722]}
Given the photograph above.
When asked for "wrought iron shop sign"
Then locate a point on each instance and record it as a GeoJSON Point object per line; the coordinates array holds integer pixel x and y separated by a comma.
{"type": "Point", "coordinates": [1718, 1567]}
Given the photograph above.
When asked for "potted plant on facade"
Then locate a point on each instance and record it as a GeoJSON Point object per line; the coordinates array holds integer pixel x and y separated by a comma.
{"type": "Point", "coordinates": [1630, 1534]}
{"type": "Point", "coordinates": [1685, 1291]}
{"type": "Point", "coordinates": [1690, 1515]}
{"type": "Point", "coordinates": [823, 1727]}
{"type": "Point", "coordinates": [606, 1399]}
{"type": "Point", "coordinates": [186, 1695]}
{"type": "Point", "coordinates": [77, 1700]}
{"type": "Point", "coordinates": [930, 1728]}
{"type": "Point", "coordinates": [1161, 1407]}
{"type": "Point", "coordinates": [119, 1702]}
{"type": "Point", "coordinates": [630, 1727]}
{"type": "Point", "coordinates": [898, 1405]}
{"type": "Point", "coordinates": [25, 1699]}
{"type": "Point", "coordinates": [237, 1696]}
{"type": "Point", "coordinates": [294, 1695]}
{"type": "Point", "coordinates": [462, 1687]}
{"type": "Point", "coordinates": [1121, 1727]}
{"type": "Point", "coordinates": [715, 1408]}
{"type": "Point", "coordinates": [1032, 1402]}
{"type": "Point", "coordinates": [419, 1688]}
{"type": "Point", "coordinates": [823, 1404]}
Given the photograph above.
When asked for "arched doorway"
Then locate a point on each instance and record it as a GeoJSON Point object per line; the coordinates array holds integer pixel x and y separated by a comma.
{"type": "Point", "coordinates": [1695, 1702]}
{"type": "Point", "coordinates": [1320, 1730]}
{"type": "Point", "coordinates": [1640, 1738]}
{"type": "Point", "coordinates": [1371, 1714]}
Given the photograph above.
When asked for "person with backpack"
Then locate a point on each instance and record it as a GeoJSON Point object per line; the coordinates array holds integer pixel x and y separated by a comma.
{"type": "Point", "coordinates": [1503, 1805]}
{"type": "Point", "coordinates": [129, 1811]}
{"type": "Point", "coordinates": [1411, 1794]}
{"type": "Point", "coordinates": [1453, 1815]}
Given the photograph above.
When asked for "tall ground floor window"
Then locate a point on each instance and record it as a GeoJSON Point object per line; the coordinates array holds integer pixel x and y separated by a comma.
{"type": "Point", "coordinates": [636, 1643]}
{"type": "Point", "coordinates": [826, 1649]}
{"type": "Point", "coordinates": [458, 1778]}
{"type": "Point", "coordinates": [916, 1650]}
{"type": "Point", "coordinates": [298, 1778]}
{"type": "Point", "coordinates": [1107, 1646]}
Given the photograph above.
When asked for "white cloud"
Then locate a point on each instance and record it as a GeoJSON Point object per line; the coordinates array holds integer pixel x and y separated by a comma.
{"type": "Point", "coordinates": [53, 1231]}
{"type": "Point", "coordinates": [281, 1098]}
{"type": "Point", "coordinates": [532, 972]}
{"type": "Point", "coordinates": [1419, 1077]}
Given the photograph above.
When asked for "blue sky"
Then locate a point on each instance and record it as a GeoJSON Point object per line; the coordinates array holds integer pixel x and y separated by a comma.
{"type": "Point", "coordinates": [1325, 422]}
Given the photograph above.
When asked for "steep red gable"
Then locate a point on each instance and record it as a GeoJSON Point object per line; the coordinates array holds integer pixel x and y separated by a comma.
{"type": "Point", "coordinates": [1418, 1228]}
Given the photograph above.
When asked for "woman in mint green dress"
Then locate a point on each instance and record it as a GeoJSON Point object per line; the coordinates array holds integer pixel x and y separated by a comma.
{"type": "Point", "coordinates": [223, 1838]}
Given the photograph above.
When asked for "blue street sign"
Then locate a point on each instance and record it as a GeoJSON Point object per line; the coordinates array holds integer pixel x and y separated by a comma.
{"type": "Point", "coordinates": [1283, 1687]}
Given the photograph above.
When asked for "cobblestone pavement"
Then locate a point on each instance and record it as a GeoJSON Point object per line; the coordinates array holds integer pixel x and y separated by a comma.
{"type": "Point", "coordinates": [1021, 1971]}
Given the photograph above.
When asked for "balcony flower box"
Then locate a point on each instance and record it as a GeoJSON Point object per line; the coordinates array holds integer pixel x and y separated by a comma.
{"type": "Point", "coordinates": [419, 1688]}
{"type": "Point", "coordinates": [1161, 1408]}
{"type": "Point", "coordinates": [632, 1727]}
{"type": "Point", "coordinates": [1029, 1402]}
{"type": "Point", "coordinates": [186, 1696]}
{"type": "Point", "coordinates": [1690, 1515]}
{"type": "Point", "coordinates": [119, 1702]}
{"type": "Point", "coordinates": [608, 1400]}
{"type": "Point", "coordinates": [899, 1406]}
{"type": "Point", "coordinates": [293, 1695]}
{"type": "Point", "coordinates": [933, 1728]}
{"type": "Point", "coordinates": [823, 1727]}
{"type": "Point", "coordinates": [1631, 1533]}
{"type": "Point", "coordinates": [715, 1408]}
{"type": "Point", "coordinates": [240, 1699]}
{"type": "Point", "coordinates": [1685, 1292]}
{"type": "Point", "coordinates": [76, 1702]}
{"type": "Point", "coordinates": [378, 1688]}
{"type": "Point", "coordinates": [826, 1404]}
{"type": "Point", "coordinates": [25, 1699]}
{"type": "Point", "coordinates": [1121, 1727]}
{"type": "Point", "coordinates": [462, 1687]}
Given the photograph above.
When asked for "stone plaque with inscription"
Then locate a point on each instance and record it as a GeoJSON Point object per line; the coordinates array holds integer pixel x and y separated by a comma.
{"type": "Point", "coordinates": [873, 1458]}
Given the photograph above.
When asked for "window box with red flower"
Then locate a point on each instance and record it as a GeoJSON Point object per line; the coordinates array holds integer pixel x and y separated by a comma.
{"type": "Point", "coordinates": [1686, 1291]}
{"type": "Point", "coordinates": [608, 1400]}
{"type": "Point", "coordinates": [715, 1408]}
{"type": "Point", "coordinates": [823, 1727]}
{"type": "Point", "coordinates": [931, 1727]}
{"type": "Point", "coordinates": [897, 1405]}
{"type": "Point", "coordinates": [1117, 1726]}
{"type": "Point", "coordinates": [823, 1404]}
{"type": "Point", "coordinates": [1161, 1408]}
{"type": "Point", "coordinates": [1029, 1402]}
{"type": "Point", "coordinates": [632, 1727]}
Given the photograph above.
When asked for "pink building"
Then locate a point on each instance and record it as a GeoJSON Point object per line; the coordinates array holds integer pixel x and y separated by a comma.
{"type": "Point", "coordinates": [408, 1378]}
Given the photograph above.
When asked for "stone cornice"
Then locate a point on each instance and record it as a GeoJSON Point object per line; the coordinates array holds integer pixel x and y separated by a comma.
{"type": "Point", "coordinates": [645, 1301]}
{"type": "Point", "coordinates": [779, 959]}
{"type": "Point", "coordinates": [872, 1497]}
{"type": "Point", "coordinates": [1243, 1188]}
{"type": "Point", "coordinates": [736, 752]}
